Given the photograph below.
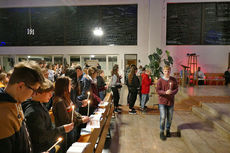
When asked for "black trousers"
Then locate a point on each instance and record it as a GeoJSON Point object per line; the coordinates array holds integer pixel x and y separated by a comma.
{"type": "Point", "coordinates": [116, 96]}
{"type": "Point", "coordinates": [200, 82]}
{"type": "Point", "coordinates": [128, 96]}
{"type": "Point", "coordinates": [227, 81]}
{"type": "Point", "coordinates": [132, 98]}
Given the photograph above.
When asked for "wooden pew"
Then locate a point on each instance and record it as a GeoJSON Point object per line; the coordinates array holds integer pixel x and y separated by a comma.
{"type": "Point", "coordinates": [214, 78]}
{"type": "Point", "coordinates": [98, 135]}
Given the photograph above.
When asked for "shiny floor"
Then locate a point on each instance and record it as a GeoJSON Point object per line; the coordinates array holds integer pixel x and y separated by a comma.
{"type": "Point", "coordinates": [140, 133]}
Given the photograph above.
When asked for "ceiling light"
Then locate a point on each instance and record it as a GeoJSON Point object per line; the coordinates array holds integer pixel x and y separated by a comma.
{"type": "Point", "coordinates": [98, 31]}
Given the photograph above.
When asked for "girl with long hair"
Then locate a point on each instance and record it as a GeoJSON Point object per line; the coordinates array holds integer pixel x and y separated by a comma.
{"type": "Point", "coordinates": [134, 85]}
{"type": "Point", "coordinates": [115, 86]}
{"type": "Point", "coordinates": [62, 109]}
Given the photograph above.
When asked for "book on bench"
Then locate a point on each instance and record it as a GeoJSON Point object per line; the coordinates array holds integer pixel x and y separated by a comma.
{"type": "Point", "coordinates": [77, 147]}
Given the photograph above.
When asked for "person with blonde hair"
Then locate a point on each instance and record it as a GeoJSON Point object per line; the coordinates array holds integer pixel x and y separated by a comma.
{"type": "Point", "coordinates": [43, 134]}
{"type": "Point", "coordinates": [94, 92]}
{"type": "Point", "coordinates": [166, 89]}
{"type": "Point", "coordinates": [145, 87]}
{"type": "Point", "coordinates": [3, 80]}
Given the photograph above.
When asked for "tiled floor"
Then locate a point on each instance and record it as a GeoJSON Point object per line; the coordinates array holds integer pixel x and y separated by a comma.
{"type": "Point", "coordinates": [140, 133]}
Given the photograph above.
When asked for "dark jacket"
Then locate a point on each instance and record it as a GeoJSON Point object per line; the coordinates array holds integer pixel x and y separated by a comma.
{"type": "Point", "coordinates": [227, 75]}
{"type": "Point", "coordinates": [13, 135]}
{"type": "Point", "coordinates": [84, 84]}
{"type": "Point", "coordinates": [63, 113]}
{"type": "Point", "coordinates": [43, 134]}
{"type": "Point", "coordinates": [101, 83]}
{"type": "Point", "coordinates": [135, 84]}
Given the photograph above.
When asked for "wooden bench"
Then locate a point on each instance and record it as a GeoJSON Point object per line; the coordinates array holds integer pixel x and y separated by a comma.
{"type": "Point", "coordinates": [210, 79]}
{"type": "Point", "coordinates": [98, 135]}
{"type": "Point", "coordinates": [214, 78]}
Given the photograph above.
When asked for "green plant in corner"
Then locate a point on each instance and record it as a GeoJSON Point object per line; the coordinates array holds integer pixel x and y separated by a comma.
{"type": "Point", "coordinates": [156, 62]}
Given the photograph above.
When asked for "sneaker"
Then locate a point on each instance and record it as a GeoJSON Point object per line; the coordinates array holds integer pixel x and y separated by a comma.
{"type": "Point", "coordinates": [116, 110]}
{"type": "Point", "coordinates": [168, 134]}
{"type": "Point", "coordinates": [162, 136]}
{"type": "Point", "coordinates": [132, 112]}
{"type": "Point", "coordinates": [146, 107]}
{"type": "Point", "coordinates": [143, 110]}
{"type": "Point", "coordinates": [119, 105]}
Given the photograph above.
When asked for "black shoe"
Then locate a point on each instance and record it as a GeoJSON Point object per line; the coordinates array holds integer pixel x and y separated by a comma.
{"type": "Point", "coordinates": [132, 112]}
{"type": "Point", "coordinates": [116, 110]}
{"type": "Point", "coordinates": [168, 134]}
{"type": "Point", "coordinates": [162, 136]}
{"type": "Point", "coordinates": [119, 105]}
{"type": "Point", "coordinates": [146, 107]}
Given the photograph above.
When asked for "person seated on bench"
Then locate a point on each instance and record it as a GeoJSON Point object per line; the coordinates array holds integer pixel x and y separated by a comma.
{"type": "Point", "coordinates": [199, 75]}
{"type": "Point", "coordinates": [227, 76]}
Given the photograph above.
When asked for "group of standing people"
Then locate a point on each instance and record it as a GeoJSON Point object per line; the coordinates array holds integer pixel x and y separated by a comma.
{"type": "Point", "coordinates": [26, 100]}
{"type": "Point", "coordinates": [166, 88]}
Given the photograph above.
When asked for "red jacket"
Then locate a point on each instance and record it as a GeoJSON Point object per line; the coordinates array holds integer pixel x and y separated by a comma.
{"type": "Point", "coordinates": [145, 84]}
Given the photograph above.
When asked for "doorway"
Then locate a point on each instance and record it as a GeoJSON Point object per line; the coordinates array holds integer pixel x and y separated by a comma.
{"type": "Point", "coordinates": [130, 59]}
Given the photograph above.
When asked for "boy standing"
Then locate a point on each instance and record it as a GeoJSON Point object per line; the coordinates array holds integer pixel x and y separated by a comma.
{"type": "Point", "coordinates": [166, 88]}
{"type": "Point", "coordinates": [24, 81]}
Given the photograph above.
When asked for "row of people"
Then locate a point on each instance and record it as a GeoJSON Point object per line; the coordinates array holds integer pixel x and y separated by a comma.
{"type": "Point", "coordinates": [27, 85]}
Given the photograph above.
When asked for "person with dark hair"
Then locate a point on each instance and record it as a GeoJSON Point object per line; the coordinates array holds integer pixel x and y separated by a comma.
{"type": "Point", "coordinates": [134, 86]}
{"type": "Point", "coordinates": [227, 76]}
{"type": "Point", "coordinates": [98, 66]}
{"type": "Point", "coordinates": [101, 84]}
{"type": "Point", "coordinates": [167, 88]}
{"type": "Point", "coordinates": [71, 72]}
{"type": "Point", "coordinates": [199, 75]}
{"type": "Point", "coordinates": [62, 110]}
{"type": "Point", "coordinates": [115, 86]}
{"type": "Point", "coordinates": [83, 83]}
{"type": "Point", "coordinates": [43, 134]}
{"type": "Point", "coordinates": [24, 81]}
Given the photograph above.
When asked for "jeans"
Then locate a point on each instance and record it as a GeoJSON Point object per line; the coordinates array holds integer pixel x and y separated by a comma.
{"type": "Point", "coordinates": [102, 95]}
{"type": "Point", "coordinates": [140, 97]}
{"type": "Point", "coordinates": [165, 112]}
{"type": "Point", "coordinates": [144, 100]}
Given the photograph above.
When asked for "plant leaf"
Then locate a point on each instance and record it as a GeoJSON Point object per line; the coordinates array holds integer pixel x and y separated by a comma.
{"type": "Point", "coordinates": [167, 52]}
{"type": "Point", "coordinates": [159, 51]}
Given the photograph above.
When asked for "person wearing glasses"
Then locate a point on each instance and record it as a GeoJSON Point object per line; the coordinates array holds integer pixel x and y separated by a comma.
{"type": "Point", "coordinates": [43, 134]}
{"type": "Point", "coordinates": [24, 81]}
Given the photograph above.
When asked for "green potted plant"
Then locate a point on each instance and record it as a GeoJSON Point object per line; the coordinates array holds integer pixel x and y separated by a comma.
{"type": "Point", "coordinates": [156, 62]}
